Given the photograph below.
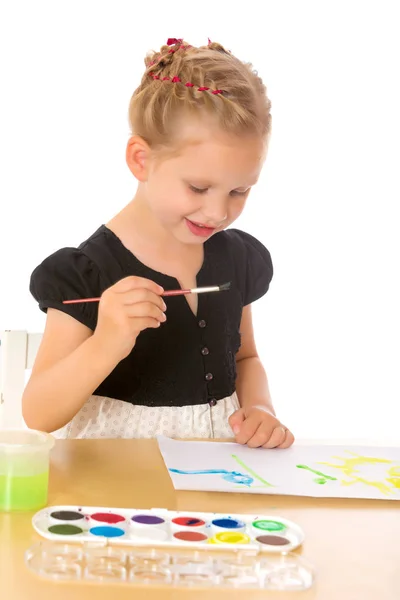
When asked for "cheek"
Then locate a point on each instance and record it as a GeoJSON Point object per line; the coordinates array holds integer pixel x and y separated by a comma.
{"type": "Point", "coordinates": [172, 204]}
{"type": "Point", "coordinates": [183, 202]}
{"type": "Point", "coordinates": [235, 208]}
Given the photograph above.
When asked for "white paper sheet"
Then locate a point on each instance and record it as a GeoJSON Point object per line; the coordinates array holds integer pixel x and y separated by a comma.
{"type": "Point", "coordinates": [319, 471]}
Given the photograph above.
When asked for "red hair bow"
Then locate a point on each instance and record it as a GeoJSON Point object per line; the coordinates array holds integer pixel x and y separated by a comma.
{"type": "Point", "coordinates": [172, 41]}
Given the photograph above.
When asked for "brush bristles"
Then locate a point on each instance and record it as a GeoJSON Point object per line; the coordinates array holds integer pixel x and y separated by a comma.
{"type": "Point", "coordinates": [225, 287]}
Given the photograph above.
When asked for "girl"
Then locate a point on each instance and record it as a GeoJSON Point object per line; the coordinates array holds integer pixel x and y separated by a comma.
{"type": "Point", "coordinates": [134, 364]}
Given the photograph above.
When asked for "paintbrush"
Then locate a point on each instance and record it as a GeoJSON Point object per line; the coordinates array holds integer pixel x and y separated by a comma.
{"type": "Point", "coordinates": [200, 290]}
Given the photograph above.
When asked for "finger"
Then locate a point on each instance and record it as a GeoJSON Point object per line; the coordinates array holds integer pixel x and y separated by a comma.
{"type": "Point", "coordinates": [262, 434]}
{"type": "Point", "coordinates": [248, 428]}
{"type": "Point", "coordinates": [236, 419]}
{"type": "Point", "coordinates": [134, 283]}
{"type": "Point", "coordinates": [144, 309]}
{"type": "Point", "coordinates": [142, 295]}
{"type": "Point", "coordinates": [110, 299]}
{"type": "Point", "coordinates": [288, 441]}
{"type": "Point", "coordinates": [146, 323]}
{"type": "Point", "coordinates": [277, 437]}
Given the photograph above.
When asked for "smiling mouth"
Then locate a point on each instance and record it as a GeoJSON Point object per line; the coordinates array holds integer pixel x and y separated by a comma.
{"type": "Point", "coordinates": [201, 225]}
{"type": "Point", "coordinates": [200, 229]}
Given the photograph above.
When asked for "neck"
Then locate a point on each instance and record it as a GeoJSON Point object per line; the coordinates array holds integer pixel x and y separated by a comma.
{"type": "Point", "coordinates": [137, 220]}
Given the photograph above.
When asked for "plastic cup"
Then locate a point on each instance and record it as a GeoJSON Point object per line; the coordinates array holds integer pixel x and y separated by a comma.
{"type": "Point", "coordinates": [24, 469]}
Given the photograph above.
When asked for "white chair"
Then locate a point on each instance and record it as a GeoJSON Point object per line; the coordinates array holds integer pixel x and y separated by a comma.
{"type": "Point", "coordinates": [17, 354]}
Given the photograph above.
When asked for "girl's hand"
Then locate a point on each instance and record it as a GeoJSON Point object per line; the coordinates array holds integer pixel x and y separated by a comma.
{"type": "Point", "coordinates": [125, 309]}
{"type": "Point", "coordinates": [256, 426]}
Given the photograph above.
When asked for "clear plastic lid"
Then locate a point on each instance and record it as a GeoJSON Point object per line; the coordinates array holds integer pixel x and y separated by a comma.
{"type": "Point", "coordinates": [25, 440]}
{"type": "Point", "coordinates": [166, 567]}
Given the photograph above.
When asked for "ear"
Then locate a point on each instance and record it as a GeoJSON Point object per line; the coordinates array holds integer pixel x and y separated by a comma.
{"type": "Point", "coordinates": [137, 157]}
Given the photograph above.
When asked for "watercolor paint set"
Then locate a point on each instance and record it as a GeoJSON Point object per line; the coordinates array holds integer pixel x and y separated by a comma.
{"type": "Point", "coordinates": [168, 548]}
{"type": "Point", "coordinates": [161, 528]}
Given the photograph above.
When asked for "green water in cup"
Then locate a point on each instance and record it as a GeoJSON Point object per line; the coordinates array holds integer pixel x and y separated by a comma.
{"type": "Point", "coordinates": [23, 493]}
{"type": "Point", "coordinates": [24, 469]}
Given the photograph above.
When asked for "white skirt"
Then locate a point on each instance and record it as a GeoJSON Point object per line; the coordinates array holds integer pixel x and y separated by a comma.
{"type": "Point", "coordinates": [103, 417]}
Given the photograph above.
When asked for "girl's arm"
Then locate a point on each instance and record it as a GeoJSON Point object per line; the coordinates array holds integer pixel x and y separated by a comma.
{"type": "Point", "coordinates": [69, 366]}
{"type": "Point", "coordinates": [72, 362]}
{"type": "Point", "coordinates": [252, 382]}
{"type": "Point", "coordinates": [255, 423]}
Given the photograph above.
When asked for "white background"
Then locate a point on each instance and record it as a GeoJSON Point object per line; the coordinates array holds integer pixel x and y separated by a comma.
{"type": "Point", "coordinates": [329, 328]}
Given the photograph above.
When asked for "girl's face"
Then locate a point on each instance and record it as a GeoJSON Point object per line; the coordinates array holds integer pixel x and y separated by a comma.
{"type": "Point", "coordinates": [204, 188]}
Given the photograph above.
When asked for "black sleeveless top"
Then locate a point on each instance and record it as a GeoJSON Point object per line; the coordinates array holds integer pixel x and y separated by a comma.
{"type": "Point", "coordinates": [188, 360]}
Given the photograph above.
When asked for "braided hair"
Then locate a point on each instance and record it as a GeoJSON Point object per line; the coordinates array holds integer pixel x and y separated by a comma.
{"type": "Point", "coordinates": [181, 80]}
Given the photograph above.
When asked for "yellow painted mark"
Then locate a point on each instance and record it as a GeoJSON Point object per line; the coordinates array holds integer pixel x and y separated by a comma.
{"type": "Point", "coordinates": [349, 464]}
{"type": "Point", "coordinates": [379, 485]}
{"type": "Point", "coordinates": [229, 537]}
{"type": "Point", "coordinates": [394, 476]}
{"type": "Point", "coordinates": [350, 468]}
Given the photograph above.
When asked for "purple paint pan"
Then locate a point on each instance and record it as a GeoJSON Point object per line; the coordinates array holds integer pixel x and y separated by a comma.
{"type": "Point", "coordinates": [147, 520]}
{"type": "Point", "coordinates": [148, 526]}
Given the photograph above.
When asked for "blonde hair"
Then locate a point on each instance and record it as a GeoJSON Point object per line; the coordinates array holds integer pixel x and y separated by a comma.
{"type": "Point", "coordinates": [239, 104]}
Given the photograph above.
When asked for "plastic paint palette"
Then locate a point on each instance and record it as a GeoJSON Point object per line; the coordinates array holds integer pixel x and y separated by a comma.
{"type": "Point", "coordinates": [163, 528]}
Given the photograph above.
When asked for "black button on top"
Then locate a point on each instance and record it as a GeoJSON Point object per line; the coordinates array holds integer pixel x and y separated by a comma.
{"type": "Point", "coordinates": [205, 351]}
{"type": "Point", "coordinates": [209, 376]}
{"type": "Point", "coordinates": [212, 402]}
{"type": "Point", "coordinates": [202, 324]}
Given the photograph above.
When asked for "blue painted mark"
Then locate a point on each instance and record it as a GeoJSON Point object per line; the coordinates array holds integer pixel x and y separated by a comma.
{"type": "Point", "coordinates": [108, 532]}
{"type": "Point", "coordinates": [193, 521]}
{"type": "Point", "coordinates": [231, 476]}
{"type": "Point", "coordinates": [228, 523]}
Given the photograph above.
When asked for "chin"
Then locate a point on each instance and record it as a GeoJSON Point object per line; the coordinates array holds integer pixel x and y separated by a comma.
{"type": "Point", "coordinates": [191, 241]}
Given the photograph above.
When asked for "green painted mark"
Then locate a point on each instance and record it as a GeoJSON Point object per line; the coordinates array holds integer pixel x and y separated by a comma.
{"type": "Point", "coordinates": [65, 529]}
{"type": "Point", "coordinates": [321, 479]}
{"type": "Point", "coordinates": [269, 525]}
{"type": "Point", "coordinates": [252, 473]}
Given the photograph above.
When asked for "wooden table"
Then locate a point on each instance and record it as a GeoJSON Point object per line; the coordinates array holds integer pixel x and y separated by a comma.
{"type": "Point", "coordinates": [354, 545]}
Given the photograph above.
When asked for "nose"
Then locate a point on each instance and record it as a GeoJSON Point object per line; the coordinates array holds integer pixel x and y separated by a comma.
{"type": "Point", "coordinates": [215, 211]}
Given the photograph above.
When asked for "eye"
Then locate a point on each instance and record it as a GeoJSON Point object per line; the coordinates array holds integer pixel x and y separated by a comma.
{"type": "Point", "coordinates": [236, 193]}
{"type": "Point", "coordinates": [198, 190]}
